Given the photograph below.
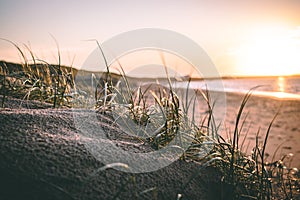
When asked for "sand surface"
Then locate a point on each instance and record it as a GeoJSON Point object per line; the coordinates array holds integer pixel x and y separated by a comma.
{"type": "Point", "coordinates": [42, 157]}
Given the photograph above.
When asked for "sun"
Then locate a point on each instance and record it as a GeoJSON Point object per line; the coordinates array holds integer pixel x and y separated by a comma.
{"type": "Point", "coordinates": [270, 51]}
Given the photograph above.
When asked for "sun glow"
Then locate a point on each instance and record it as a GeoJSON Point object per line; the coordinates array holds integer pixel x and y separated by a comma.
{"type": "Point", "coordinates": [270, 51]}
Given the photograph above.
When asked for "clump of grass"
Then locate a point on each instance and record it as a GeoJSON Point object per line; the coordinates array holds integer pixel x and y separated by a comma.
{"type": "Point", "coordinates": [134, 109]}
{"type": "Point", "coordinates": [152, 112]}
{"type": "Point", "coordinates": [36, 79]}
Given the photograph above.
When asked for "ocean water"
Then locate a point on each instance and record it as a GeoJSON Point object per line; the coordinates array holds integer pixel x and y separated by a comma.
{"type": "Point", "coordinates": [279, 87]}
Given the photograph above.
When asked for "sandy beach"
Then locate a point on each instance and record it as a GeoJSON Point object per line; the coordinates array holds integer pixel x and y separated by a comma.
{"type": "Point", "coordinates": [284, 137]}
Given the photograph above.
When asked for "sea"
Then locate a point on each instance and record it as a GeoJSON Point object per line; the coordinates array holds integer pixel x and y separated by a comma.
{"type": "Point", "coordinates": [282, 87]}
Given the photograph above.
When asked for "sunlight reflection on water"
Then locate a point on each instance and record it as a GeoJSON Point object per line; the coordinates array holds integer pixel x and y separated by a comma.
{"type": "Point", "coordinates": [281, 94]}
{"type": "Point", "coordinates": [281, 84]}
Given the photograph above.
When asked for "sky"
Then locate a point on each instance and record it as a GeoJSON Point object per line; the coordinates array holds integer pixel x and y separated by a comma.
{"type": "Point", "coordinates": [241, 37]}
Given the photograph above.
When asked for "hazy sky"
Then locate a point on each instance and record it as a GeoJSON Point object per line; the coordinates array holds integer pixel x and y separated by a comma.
{"type": "Point", "coordinates": [241, 37]}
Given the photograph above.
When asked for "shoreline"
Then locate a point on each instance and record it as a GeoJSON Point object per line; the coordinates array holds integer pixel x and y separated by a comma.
{"type": "Point", "coordinates": [284, 96]}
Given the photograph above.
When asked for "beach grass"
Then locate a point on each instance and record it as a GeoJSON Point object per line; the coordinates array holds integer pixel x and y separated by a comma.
{"type": "Point", "coordinates": [35, 79]}
{"type": "Point", "coordinates": [167, 118]}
